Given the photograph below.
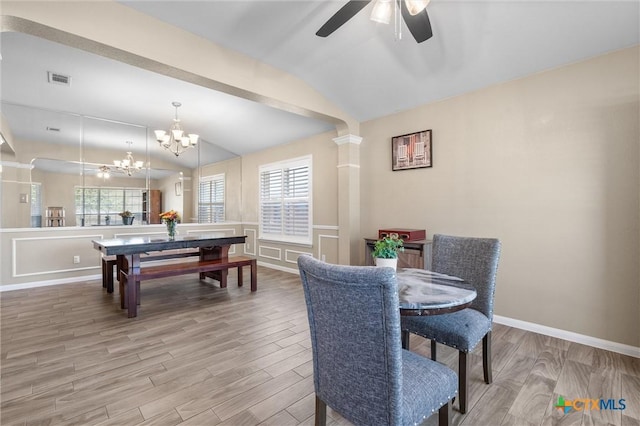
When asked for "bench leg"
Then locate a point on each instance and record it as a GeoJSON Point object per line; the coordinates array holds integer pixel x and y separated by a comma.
{"type": "Point", "coordinates": [254, 275]}
{"type": "Point", "coordinates": [240, 279]}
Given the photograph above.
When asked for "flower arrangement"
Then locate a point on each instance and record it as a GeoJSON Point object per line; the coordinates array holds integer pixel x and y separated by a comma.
{"type": "Point", "coordinates": [388, 247]}
{"type": "Point", "coordinates": [170, 216]}
{"type": "Point", "coordinates": [125, 213]}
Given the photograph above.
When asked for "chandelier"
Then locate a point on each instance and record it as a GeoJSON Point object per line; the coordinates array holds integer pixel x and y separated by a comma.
{"type": "Point", "coordinates": [104, 172]}
{"type": "Point", "coordinates": [176, 140]}
{"type": "Point", "coordinates": [128, 166]}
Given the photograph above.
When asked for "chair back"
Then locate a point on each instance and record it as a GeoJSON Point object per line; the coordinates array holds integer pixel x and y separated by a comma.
{"type": "Point", "coordinates": [473, 259]}
{"type": "Point", "coordinates": [355, 335]}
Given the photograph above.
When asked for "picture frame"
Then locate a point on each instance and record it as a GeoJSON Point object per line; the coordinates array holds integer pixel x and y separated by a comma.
{"type": "Point", "coordinates": [411, 151]}
{"type": "Point", "coordinates": [178, 188]}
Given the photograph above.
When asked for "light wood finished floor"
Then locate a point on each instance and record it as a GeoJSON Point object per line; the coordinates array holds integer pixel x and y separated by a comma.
{"type": "Point", "coordinates": [201, 355]}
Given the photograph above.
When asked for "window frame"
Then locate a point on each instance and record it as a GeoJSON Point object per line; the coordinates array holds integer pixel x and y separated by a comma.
{"type": "Point", "coordinates": [304, 161]}
{"type": "Point", "coordinates": [126, 205]}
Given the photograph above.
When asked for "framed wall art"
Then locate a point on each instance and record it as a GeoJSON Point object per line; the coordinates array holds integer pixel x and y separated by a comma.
{"type": "Point", "coordinates": [412, 151]}
{"type": "Point", "coordinates": [178, 188]}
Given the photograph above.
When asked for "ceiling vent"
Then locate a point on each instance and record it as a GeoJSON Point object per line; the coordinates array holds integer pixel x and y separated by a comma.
{"type": "Point", "coordinates": [53, 129]}
{"type": "Point", "coordinates": [56, 78]}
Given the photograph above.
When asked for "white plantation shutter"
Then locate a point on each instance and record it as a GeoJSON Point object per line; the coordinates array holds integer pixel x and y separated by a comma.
{"type": "Point", "coordinates": [211, 199]}
{"type": "Point", "coordinates": [285, 201]}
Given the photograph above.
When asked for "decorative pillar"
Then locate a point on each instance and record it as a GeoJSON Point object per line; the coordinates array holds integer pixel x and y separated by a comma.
{"type": "Point", "coordinates": [349, 240]}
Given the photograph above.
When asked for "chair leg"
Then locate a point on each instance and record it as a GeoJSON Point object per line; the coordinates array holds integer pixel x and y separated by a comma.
{"type": "Point", "coordinates": [433, 350]}
{"type": "Point", "coordinates": [321, 412]}
{"type": "Point", "coordinates": [486, 358]}
{"type": "Point", "coordinates": [463, 380]}
{"type": "Point", "coordinates": [444, 415]}
{"type": "Point", "coordinates": [405, 339]}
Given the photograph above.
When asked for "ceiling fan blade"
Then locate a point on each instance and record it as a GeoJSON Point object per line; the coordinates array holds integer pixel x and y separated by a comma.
{"type": "Point", "coordinates": [419, 24]}
{"type": "Point", "coordinates": [345, 13]}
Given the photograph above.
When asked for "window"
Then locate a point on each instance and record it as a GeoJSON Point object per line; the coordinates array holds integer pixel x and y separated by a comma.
{"type": "Point", "coordinates": [100, 206]}
{"type": "Point", "coordinates": [285, 201]}
{"type": "Point", "coordinates": [211, 199]}
{"type": "Point", "coordinates": [36, 205]}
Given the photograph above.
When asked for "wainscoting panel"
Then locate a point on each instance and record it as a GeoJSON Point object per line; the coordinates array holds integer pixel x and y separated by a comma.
{"type": "Point", "coordinates": [33, 256]}
{"type": "Point", "coordinates": [291, 256]}
{"type": "Point", "coordinates": [270, 252]}
{"type": "Point", "coordinates": [252, 241]}
{"type": "Point", "coordinates": [328, 248]}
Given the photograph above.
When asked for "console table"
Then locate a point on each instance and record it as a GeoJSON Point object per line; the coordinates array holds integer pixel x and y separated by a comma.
{"type": "Point", "coordinates": [416, 254]}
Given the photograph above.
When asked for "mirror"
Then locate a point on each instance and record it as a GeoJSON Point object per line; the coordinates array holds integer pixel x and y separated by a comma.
{"type": "Point", "coordinates": [79, 175]}
{"type": "Point", "coordinates": [60, 158]}
{"type": "Point", "coordinates": [95, 92]}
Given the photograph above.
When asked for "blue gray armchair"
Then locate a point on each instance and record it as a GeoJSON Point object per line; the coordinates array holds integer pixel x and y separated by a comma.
{"type": "Point", "coordinates": [476, 261]}
{"type": "Point", "coordinates": [359, 367]}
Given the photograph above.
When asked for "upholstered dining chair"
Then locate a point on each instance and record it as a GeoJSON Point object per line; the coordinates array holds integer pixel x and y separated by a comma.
{"type": "Point", "coordinates": [476, 261]}
{"type": "Point", "coordinates": [359, 367]}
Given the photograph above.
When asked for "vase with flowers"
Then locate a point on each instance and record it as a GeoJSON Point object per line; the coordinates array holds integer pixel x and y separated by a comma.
{"type": "Point", "coordinates": [170, 218]}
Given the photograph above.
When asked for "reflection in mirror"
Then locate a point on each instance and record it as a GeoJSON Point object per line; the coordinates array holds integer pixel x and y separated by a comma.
{"type": "Point", "coordinates": [116, 176]}
{"type": "Point", "coordinates": [54, 76]}
{"type": "Point", "coordinates": [51, 134]}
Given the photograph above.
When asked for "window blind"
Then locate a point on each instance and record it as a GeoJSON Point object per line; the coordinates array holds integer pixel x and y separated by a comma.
{"type": "Point", "coordinates": [211, 199]}
{"type": "Point", "coordinates": [285, 199]}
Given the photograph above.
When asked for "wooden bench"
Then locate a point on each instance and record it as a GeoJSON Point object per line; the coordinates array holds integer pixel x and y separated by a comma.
{"type": "Point", "coordinates": [109, 262]}
{"type": "Point", "coordinates": [200, 267]}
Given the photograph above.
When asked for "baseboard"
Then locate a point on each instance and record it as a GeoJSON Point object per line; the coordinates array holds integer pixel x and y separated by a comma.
{"type": "Point", "coordinates": [279, 268]}
{"type": "Point", "coordinates": [595, 342]}
{"type": "Point", "coordinates": [60, 281]}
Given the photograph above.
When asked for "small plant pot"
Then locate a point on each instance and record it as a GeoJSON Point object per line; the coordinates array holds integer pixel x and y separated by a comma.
{"type": "Point", "coordinates": [128, 220]}
{"type": "Point", "coordinates": [390, 263]}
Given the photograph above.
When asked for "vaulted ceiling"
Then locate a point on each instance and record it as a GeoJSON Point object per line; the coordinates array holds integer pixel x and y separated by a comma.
{"type": "Point", "coordinates": [363, 67]}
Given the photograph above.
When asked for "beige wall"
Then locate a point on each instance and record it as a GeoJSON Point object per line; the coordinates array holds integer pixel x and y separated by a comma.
{"type": "Point", "coordinates": [324, 154]}
{"type": "Point", "coordinates": [550, 165]}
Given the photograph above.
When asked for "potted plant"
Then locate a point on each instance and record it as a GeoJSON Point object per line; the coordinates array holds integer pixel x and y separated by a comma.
{"type": "Point", "coordinates": [127, 217]}
{"type": "Point", "coordinates": [385, 251]}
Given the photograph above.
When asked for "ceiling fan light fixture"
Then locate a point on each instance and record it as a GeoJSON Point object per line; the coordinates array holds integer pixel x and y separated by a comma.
{"type": "Point", "coordinates": [381, 11]}
{"type": "Point", "coordinates": [416, 6]}
{"type": "Point", "coordinates": [103, 172]}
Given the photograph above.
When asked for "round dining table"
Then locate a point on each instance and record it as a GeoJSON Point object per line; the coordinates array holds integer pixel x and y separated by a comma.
{"type": "Point", "coordinates": [423, 292]}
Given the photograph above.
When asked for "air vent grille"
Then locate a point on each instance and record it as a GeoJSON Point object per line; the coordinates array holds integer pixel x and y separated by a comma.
{"type": "Point", "coordinates": [57, 78]}
{"type": "Point", "coordinates": [53, 129]}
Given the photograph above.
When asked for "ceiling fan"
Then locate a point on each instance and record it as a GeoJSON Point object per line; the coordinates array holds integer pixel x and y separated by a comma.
{"type": "Point", "coordinates": [414, 14]}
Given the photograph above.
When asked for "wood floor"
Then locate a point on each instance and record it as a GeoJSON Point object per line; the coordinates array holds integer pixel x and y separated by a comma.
{"type": "Point", "coordinates": [201, 355]}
